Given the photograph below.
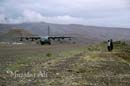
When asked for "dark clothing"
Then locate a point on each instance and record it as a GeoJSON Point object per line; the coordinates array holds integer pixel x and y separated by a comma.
{"type": "Point", "coordinates": [109, 48]}
{"type": "Point", "coordinates": [110, 45]}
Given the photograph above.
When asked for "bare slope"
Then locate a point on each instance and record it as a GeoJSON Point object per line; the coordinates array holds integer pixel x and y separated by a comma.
{"type": "Point", "coordinates": [83, 33]}
{"type": "Point", "coordinates": [11, 34]}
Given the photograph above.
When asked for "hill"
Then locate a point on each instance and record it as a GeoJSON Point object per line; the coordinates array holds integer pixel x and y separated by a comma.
{"type": "Point", "coordinates": [11, 34]}
{"type": "Point", "coordinates": [81, 32]}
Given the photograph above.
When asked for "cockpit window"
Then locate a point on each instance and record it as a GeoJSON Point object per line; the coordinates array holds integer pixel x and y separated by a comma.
{"type": "Point", "coordinates": [44, 38]}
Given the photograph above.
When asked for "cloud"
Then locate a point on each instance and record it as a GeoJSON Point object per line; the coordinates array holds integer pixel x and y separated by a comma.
{"type": "Point", "coordinates": [93, 12]}
{"type": "Point", "coordinates": [2, 18]}
{"type": "Point", "coordinates": [33, 16]}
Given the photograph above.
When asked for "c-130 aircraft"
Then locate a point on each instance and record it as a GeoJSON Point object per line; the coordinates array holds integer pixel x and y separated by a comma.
{"type": "Point", "coordinates": [45, 39]}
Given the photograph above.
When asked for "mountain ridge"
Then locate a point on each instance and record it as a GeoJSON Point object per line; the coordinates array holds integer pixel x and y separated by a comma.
{"type": "Point", "coordinates": [81, 32]}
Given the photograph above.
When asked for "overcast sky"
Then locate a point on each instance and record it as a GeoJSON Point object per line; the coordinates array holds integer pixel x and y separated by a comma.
{"type": "Point", "coordinates": [113, 13]}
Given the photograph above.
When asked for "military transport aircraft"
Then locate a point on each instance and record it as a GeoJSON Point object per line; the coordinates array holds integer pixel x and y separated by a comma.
{"type": "Point", "coordinates": [45, 39]}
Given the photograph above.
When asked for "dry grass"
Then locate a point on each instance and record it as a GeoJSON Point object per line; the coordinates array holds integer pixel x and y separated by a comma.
{"type": "Point", "coordinates": [68, 65]}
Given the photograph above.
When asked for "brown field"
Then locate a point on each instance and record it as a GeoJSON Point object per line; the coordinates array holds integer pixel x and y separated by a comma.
{"type": "Point", "coordinates": [64, 65]}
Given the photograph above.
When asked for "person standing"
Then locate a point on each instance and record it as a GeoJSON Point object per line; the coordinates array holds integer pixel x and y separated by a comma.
{"type": "Point", "coordinates": [109, 45]}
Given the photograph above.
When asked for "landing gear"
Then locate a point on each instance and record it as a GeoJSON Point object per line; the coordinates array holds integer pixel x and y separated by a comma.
{"type": "Point", "coordinates": [45, 42]}
{"type": "Point", "coordinates": [49, 43]}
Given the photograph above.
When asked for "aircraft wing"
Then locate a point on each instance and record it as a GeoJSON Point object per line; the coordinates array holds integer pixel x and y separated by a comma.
{"type": "Point", "coordinates": [32, 38]}
{"type": "Point", "coordinates": [59, 37]}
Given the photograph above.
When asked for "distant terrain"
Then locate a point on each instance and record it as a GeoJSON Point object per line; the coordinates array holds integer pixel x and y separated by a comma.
{"type": "Point", "coordinates": [81, 33]}
{"type": "Point", "coordinates": [12, 34]}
